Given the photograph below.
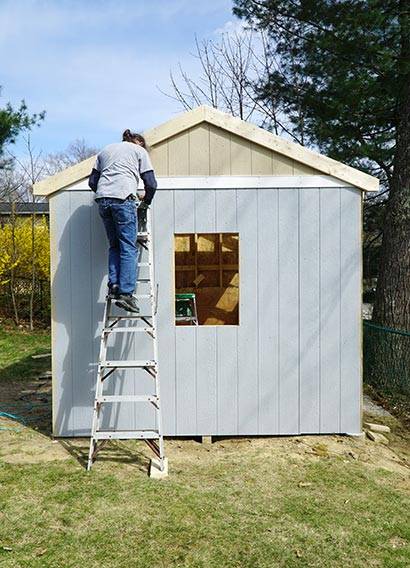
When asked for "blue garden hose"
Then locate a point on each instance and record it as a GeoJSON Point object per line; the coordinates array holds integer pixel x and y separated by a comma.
{"type": "Point", "coordinates": [12, 417]}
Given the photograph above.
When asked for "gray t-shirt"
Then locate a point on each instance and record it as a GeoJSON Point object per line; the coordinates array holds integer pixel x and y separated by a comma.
{"type": "Point", "coordinates": [120, 166]}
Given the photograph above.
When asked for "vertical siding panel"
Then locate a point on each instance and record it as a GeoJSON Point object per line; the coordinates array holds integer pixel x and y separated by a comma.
{"type": "Point", "coordinates": [163, 225]}
{"type": "Point", "coordinates": [60, 228]}
{"type": "Point", "coordinates": [99, 263]}
{"type": "Point", "coordinates": [288, 312]}
{"type": "Point", "coordinates": [205, 211]}
{"type": "Point", "coordinates": [227, 389]}
{"type": "Point", "coordinates": [185, 343]}
{"type": "Point", "coordinates": [225, 206]}
{"type": "Point", "coordinates": [206, 371]}
{"type": "Point", "coordinates": [227, 336]}
{"type": "Point", "coordinates": [351, 372]}
{"type": "Point", "coordinates": [184, 200]}
{"type": "Point", "coordinates": [248, 386]}
{"type": "Point", "coordinates": [159, 157]}
{"type": "Point", "coordinates": [240, 156]}
{"type": "Point", "coordinates": [185, 347]}
{"type": "Point", "coordinates": [262, 163]}
{"type": "Point", "coordinates": [309, 310]}
{"type": "Point", "coordinates": [330, 308]}
{"type": "Point", "coordinates": [206, 375]}
{"type": "Point", "coordinates": [282, 165]}
{"type": "Point", "coordinates": [268, 243]}
{"type": "Point", "coordinates": [300, 169]}
{"type": "Point", "coordinates": [80, 286]}
{"type": "Point", "coordinates": [220, 151]}
{"type": "Point", "coordinates": [199, 150]}
{"type": "Point", "coordinates": [178, 155]}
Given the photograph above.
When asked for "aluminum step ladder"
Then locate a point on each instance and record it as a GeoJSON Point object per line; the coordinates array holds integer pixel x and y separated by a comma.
{"type": "Point", "coordinates": [142, 324]}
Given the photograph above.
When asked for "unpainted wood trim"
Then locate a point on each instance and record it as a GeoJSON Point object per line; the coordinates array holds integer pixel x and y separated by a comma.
{"type": "Point", "coordinates": [231, 124]}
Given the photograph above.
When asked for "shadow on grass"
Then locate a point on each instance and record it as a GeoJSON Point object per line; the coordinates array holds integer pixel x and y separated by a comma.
{"type": "Point", "coordinates": [113, 451]}
{"type": "Point", "coordinates": [25, 393]}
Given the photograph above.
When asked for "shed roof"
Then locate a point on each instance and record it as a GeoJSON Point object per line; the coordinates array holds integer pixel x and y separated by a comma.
{"type": "Point", "coordinates": [227, 122]}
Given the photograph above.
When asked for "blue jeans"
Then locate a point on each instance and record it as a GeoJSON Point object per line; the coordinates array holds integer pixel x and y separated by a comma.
{"type": "Point", "coordinates": [120, 222]}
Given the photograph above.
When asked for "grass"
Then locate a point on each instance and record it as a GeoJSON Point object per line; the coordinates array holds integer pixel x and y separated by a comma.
{"type": "Point", "coordinates": [16, 349]}
{"type": "Point", "coordinates": [250, 503]}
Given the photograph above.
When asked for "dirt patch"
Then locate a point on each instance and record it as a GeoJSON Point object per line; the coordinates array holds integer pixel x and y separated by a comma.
{"type": "Point", "coordinates": [29, 402]}
{"type": "Point", "coordinates": [28, 440]}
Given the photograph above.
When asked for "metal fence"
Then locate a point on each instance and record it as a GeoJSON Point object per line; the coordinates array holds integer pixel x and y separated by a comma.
{"type": "Point", "coordinates": [22, 288]}
{"type": "Point", "coordinates": [386, 358]}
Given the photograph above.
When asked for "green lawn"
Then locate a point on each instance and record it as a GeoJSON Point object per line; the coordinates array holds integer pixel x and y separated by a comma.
{"type": "Point", "coordinates": [302, 501]}
{"type": "Point", "coordinates": [16, 350]}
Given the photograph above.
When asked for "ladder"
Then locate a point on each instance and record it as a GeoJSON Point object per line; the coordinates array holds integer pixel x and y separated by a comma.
{"type": "Point", "coordinates": [141, 324]}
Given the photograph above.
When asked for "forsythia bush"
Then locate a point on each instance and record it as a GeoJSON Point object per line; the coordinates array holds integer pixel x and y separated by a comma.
{"type": "Point", "coordinates": [21, 259]}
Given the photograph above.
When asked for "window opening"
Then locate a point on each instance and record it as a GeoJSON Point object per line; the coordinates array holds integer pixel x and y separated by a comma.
{"type": "Point", "coordinates": [207, 279]}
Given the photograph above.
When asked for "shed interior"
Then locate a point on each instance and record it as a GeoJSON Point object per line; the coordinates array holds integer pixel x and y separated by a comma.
{"type": "Point", "coordinates": [207, 265]}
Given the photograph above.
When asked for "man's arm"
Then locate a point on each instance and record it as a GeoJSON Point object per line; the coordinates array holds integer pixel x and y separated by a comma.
{"type": "Point", "coordinates": [94, 175]}
{"type": "Point", "coordinates": [93, 179]}
{"type": "Point", "coordinates": [150, 186]}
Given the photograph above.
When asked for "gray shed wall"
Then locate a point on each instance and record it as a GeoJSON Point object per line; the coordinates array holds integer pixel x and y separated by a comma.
{"type": "Point", "coordinates": [292, 366]}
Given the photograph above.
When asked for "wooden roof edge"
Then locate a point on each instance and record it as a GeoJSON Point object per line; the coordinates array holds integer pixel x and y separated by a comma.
{"type": "Point", "coordinates": [251, 132]}
{"type": "Point", "coordinates": [62, 179]}
{"type": "Point", "coordinates": [236, 126]}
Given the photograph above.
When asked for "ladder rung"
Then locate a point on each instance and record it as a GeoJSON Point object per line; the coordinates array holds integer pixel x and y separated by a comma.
{"type": "Point", "coordinates": [127, 398]}
{"type": "Point", "coordinates": [125, 434]}
{"type": "Point", "coordinates": [127, 329]}
{"type": "Point", "coordinates": [143, 234]}
{"type": "Point", "coordinates": [138, 363]}
{"type": "Point", "coordinates": [143, 264]}
{"type": "Point", "coordinates": [143, 280]}
{"type": "Point", "coordinates": [128, 317]}
{"type": "Point", "coordinates": [143, 295]}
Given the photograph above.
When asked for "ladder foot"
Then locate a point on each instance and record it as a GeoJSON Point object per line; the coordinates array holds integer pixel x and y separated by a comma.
{"type": "Point", "coordinates": [155, 470]}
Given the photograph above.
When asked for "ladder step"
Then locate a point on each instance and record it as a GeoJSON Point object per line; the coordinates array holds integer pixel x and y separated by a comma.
{"type": "Point", "coordinates": [126, 434]}
{"type": "Point", "coordinates": [143, 280]}
{"type": "Point", "coordinates": [128, 317]}
{"type": "Point", "coordinates": [143, 234]}
{"type": "Point", "coordinates": [143, 295]}
{"type": "Point", "coordinates": [127, 398]}
{"type": "Point", "coordinates": [143, 264]}
{"type": "Point", "coordinates": [127, 329]}
{"type": "Point", "coordinates": [138, 363]}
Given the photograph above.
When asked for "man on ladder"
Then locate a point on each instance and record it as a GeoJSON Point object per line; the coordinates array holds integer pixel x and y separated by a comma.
{"type": "Point", "coordinates": [114, 178]}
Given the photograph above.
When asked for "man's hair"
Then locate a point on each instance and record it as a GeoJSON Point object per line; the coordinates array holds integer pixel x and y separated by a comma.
{"type": "Point", "coordinates": [128, 136]}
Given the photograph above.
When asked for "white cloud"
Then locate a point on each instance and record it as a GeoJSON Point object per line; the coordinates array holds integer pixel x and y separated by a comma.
{"type": "Point", "coordinates": [232, 27]}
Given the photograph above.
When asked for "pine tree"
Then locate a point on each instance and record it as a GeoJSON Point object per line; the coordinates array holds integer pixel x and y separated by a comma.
{"type": "Point", "coordinates": [354, 58]}
{"type": "Point", "coordinates": [12, 122]}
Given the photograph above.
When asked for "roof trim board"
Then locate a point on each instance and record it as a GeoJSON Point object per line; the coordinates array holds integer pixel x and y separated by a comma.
{"type": "Point", "coordinates": [237, 182]}
{"type": "Point", "coordinates": [246, 130]}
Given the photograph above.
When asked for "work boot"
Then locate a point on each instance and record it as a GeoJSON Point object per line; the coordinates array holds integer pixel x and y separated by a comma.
{"type": "Point", "coordinates": [113, 291]}
{"type": "Point", "coordinates": [127, 302]}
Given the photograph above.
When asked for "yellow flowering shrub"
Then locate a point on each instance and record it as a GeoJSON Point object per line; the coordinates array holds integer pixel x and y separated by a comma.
{"type": "Point", "coordinates": [21, 257]}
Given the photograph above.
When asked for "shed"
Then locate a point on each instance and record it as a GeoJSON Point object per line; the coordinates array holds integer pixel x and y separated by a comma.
{"type": "Point", "coordinates": [267, 234]}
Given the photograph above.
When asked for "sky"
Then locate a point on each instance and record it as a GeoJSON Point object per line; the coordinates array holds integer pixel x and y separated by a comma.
{"type": "Point", "coordinates": [97, 66]}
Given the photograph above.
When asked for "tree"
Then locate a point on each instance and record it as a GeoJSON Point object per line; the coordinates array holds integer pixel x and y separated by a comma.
{"type": "Point", "coordinates": [355, 55]}
{"type": "Point", "coordinates": [231, 67]}
{"type": "Point", "coordinates": [25, 250]}
{"type": "Point", "coordinates": [76, 151]}
{"type": "Point", "coordinates": [12, 122]}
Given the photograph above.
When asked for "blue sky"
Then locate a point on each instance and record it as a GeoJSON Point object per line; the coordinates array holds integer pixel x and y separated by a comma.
{"type": "Point", "coordinates": [95, 66]}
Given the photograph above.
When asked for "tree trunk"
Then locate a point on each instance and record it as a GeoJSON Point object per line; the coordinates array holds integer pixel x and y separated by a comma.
{"type": "Point", "coordinates": [13, 261]}
{"type": "Point", "coordinates": [33, 267]}
{"type": "Point", "coordinates": [392, 305]}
